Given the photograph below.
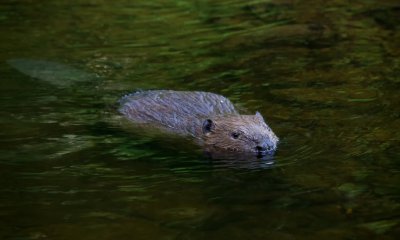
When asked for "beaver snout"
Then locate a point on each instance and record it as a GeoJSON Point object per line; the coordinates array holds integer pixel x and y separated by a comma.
{"type": "Point", "coordinates": [263, 150]}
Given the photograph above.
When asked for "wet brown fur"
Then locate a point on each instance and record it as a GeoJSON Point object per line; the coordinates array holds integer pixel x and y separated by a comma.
{"type": "Point", "coordinates": [210, 118]}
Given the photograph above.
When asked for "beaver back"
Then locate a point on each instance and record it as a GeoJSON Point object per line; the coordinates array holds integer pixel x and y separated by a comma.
{"type": "Point", "coordinates": [178, 111]}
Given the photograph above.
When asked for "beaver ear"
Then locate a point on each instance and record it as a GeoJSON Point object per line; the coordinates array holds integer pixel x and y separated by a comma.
{"type": "Point", "coordinates": [259, 117]}
{"type": "Point", "coordinates": [208, 126]}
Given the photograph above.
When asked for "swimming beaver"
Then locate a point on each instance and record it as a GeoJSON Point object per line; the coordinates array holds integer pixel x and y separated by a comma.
{"type": "Point", "coordinates": [210, 118]}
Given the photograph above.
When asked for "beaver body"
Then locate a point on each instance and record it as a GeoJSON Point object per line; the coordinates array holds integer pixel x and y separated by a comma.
{"type": "Point", "coordinates": [210, 118]}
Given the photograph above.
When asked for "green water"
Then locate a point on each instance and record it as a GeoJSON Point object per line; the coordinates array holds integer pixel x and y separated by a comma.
{"type": "Point", "coordinates": [324, 74]}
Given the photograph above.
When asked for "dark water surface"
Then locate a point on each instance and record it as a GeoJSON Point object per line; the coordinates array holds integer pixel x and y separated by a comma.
{"type": "Point", "coordinates": [325, 75]}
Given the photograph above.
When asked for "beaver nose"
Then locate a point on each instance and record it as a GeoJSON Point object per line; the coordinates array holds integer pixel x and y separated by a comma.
{"type": "Point", "coordinates": [264, 149]}
{"type": "Point", "coordinates": [261, 148]}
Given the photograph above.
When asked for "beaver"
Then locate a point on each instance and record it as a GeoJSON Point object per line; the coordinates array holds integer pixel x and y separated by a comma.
{"type": "Point", "coordinates": [209, 118]}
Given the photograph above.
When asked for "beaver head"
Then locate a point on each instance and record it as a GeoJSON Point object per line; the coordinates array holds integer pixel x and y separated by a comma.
{"type": "Point", "coordinates": [240, 133]}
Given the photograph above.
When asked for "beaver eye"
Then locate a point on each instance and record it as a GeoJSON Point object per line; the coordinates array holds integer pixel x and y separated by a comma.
{"type": "Point", "coordinates": [235, 135]}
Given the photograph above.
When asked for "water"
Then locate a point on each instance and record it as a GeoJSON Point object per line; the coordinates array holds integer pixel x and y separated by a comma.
{"type": "Point", "coordinates": [325, 75]}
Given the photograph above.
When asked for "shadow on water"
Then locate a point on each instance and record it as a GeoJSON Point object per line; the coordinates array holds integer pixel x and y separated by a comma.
{"type": "Point", "coordinates": [324, 75]}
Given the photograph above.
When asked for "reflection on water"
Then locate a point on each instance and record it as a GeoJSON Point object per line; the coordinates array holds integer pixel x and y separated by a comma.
{"type": "Point", "coordinates": [324, 75]}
